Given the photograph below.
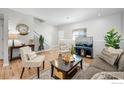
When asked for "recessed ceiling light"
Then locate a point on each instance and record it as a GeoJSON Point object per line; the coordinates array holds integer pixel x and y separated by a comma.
{"type": "Point", "coordinates": [99, 14]}
{"type": "Point", "coordinates": [100, 11]}
{"type": "Point", "coordinates": [68, 17]}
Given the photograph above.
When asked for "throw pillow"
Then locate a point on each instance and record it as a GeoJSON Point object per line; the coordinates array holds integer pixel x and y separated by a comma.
{"type": "Point", "coordinates": [108, 57]}
{"type": "Point", "coordinates": [103, 75]}
{"type": "Point", "coordinates": [121, 63]}
{"type": "Point", "coordinates": [32, 55]}
{"type": "Point", "coordinates": [114, 51]}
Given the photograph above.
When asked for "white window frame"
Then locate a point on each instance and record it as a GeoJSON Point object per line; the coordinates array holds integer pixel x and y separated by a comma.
{"type": "Point", "coordinates": [84, 30]}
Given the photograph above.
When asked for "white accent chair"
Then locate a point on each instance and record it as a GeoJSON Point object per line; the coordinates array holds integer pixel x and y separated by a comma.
{"type": "Point", "coordinates": [64, 49]}
{"type": "Point", "coordinates": [37, 61]}
{"type": "Point", "coordinates": [65, 46]}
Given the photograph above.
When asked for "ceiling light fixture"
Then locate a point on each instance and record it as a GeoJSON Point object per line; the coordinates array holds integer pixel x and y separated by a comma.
{"type": "Point", "coordinates": [100, 11]}
{"type": "Point", "coordinates": [99, 14]}
{"type": "Point", "coordinates": [68, 17]}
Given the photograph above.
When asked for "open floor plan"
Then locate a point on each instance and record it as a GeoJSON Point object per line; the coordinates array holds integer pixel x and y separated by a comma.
{"type": "Point", "coordinates": [62, 43]}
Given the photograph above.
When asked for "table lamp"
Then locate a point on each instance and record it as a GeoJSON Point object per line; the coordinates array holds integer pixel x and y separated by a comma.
{"type": "Point", "coordinates": [12, 37]}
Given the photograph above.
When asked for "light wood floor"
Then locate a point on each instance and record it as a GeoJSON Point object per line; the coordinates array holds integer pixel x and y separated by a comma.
{"type": "Point", "coordinates": [13, 71]}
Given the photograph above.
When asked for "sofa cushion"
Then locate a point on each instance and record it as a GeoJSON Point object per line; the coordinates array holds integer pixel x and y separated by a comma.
{"type": "Point", "coordinates": [88, 73]}
{"type": "Point", "coordinates": [101, 64]}
{"type": "Point", "coordinates": [109, 57]}
{"type": "Point", "coordinates": [121, 63]}
{"type": "Point", "coordinates": [114, 51]}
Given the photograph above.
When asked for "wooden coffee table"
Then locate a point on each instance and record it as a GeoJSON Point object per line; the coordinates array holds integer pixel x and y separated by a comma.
{"type": "Point", "coordinates": [64, 67]}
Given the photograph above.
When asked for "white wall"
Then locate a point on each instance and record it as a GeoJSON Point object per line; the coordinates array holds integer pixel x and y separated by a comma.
{"type": "Point", "coordinates": [96, 27]}
{"type": "Point", "coordinates": [19, 18]}
{"type": "Point", "coordinates": [15, 18]}
{"type": "Point", "coordinates": [47, 30]}
{"type": "Point", "coordinates": [1, 38]}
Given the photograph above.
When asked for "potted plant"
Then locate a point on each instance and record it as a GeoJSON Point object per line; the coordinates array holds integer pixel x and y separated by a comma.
{"type": "Point", "coordinates": [112, 39]}
{"type": "Point", "coordinates": [41, 42]}
{"type": "Point", "coordinates": [73, 51]}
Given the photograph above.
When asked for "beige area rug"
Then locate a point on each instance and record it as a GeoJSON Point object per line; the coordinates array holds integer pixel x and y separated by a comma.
{"type": "Point", "coordinates": [46, 74]}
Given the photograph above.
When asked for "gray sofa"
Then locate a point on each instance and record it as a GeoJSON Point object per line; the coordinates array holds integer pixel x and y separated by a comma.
{"type": "Point", "coordinates": [100, 65]}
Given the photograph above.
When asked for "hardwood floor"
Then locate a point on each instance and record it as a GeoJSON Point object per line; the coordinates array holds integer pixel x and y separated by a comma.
{"type": "Point", "coordinates": [13, 71]}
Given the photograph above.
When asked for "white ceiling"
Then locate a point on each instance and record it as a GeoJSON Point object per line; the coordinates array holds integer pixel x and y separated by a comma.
{"type": "Point", "coordinates": [60, 16]}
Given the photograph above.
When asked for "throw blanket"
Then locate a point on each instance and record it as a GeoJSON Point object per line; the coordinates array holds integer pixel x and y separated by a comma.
{"type": "Point", "coordinates": [109, 75]}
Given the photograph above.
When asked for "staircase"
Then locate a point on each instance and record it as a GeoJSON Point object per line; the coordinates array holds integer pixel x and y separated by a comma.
{"type": "Point", "coordinates": [36, 40]}
{"type": "Point", "coordinates": [37, 24]}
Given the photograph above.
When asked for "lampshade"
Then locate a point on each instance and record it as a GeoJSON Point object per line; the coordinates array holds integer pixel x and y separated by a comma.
{"type": "Point", "coordinates": [12, 36]}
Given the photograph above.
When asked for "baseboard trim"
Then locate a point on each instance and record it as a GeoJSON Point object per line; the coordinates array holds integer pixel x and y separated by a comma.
{"type": "Point", "coordinates": [55, 46]}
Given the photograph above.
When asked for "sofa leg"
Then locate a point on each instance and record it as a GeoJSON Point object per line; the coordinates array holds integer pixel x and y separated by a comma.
{"type": "Point", "coordinates": [22, 72]}
{"type": "Point", "coordinates": [38, 72]}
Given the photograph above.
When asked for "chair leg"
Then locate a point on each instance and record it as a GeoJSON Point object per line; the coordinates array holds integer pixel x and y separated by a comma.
{"type": "Point", "coordinates": [38, 72]}
{"type": "Point", "coordinates": [43, 64]}
{"type": "Point", "coordinates": [22, 72]}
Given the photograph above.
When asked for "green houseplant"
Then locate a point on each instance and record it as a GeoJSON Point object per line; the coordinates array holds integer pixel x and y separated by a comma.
{"type": "Point", "coordinates": [112, 39]}
{"type": "Point", "coordinates": [73, 51]}
{"type": "Point", "coordinates": [41, 42]}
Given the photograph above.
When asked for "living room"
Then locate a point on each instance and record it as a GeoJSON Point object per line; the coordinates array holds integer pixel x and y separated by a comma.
{"type": "Point", "coordinates": [65, 28]}
{"type": "Point", "coordinates": [61, 46]}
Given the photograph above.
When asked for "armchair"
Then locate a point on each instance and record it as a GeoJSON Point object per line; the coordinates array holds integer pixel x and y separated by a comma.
{"type": "Point", "coordinates": [63, 49]}
{"type": "Point", "coordinates": [65, 46]}
{"type": "Point", "coordinates": [34, 61]}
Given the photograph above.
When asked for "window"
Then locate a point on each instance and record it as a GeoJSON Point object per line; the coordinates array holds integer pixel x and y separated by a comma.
{"type": "Point", "coordinates": [79, 33]}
